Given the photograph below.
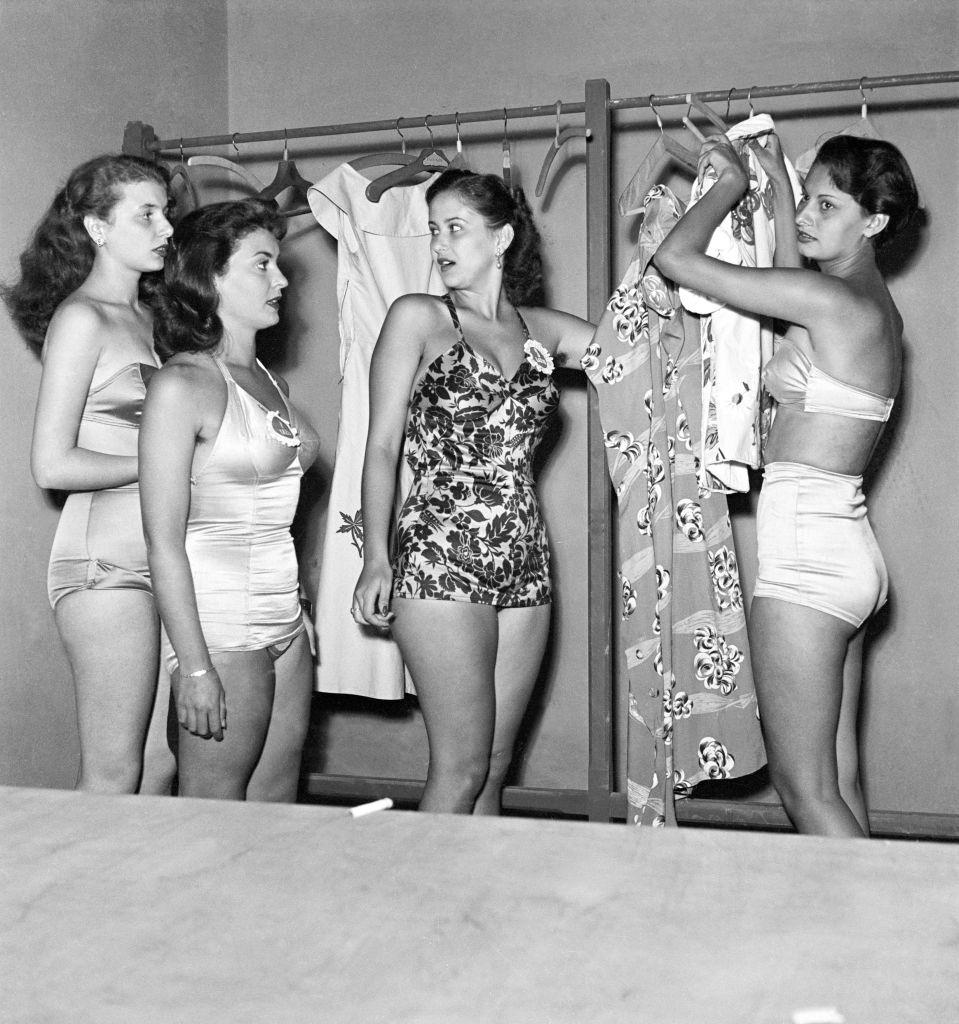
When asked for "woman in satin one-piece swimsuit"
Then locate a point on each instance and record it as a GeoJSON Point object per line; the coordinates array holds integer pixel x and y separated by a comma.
{"type": "Point", "coordinates": [834, 378]}
{"type": "Point", "coordinates": [223, 450]}
{"type": "Point", "coordinates": [78, 303]}
{"type": "Point", "coordinates": [466, 379]}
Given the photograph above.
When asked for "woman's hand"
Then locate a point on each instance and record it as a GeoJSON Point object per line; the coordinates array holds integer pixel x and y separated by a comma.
{"type": "Point", "coordinates": [200, 703]}
{"type": "Point", "coordinates": [717, 152]}
{"type": "Point", "coordinates": [371, 598]}
{"type": "Point", "coordinates": [771, 159]}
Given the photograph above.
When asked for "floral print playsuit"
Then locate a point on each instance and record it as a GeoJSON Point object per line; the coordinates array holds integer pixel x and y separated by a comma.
{"type": "Point", "coordinates": [470, 528]}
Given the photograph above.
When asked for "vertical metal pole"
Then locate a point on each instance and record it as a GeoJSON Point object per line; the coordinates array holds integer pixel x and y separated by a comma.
{"type": "Point", "coordinates": [600, 663]}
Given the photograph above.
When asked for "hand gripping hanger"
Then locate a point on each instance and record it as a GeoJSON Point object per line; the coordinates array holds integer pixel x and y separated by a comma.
{"type": "Point", "coordinates": [559, 140]}
{"type": "Point", "coordinates": [430, 160]}
{"type": "Point", "coordinates": [288, 177]}
{"type": "Point", "coordinates": [631, 201]}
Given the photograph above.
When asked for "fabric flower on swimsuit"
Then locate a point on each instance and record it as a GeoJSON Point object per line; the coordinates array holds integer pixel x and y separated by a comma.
{"type": "Point", "coordinates": [537, 355]}
{"type": "Point", "coordinates": [282, 430]}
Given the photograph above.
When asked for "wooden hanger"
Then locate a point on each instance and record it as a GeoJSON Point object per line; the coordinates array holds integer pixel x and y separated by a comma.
{"type": "Point", "coordinates": [429, 160]}
{"type": "Point", "coordinates": [694, 101]}
{"type": "Point", "coordinates": [181, 172]}
{"type": "Point", "coordinates": [559, 140]}
{"type": "Point", "coordinates": [385, 159]}
{"type": "Point", "coordinates": [205, 160]}
{"type": "Point", "coordinates": [631, 201]}
{"type": "Point", "coordinates": [288, 177]}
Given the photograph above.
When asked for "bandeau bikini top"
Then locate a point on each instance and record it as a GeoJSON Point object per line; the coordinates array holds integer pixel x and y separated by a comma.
{"type": "Point", "coordinates": [792, 379]}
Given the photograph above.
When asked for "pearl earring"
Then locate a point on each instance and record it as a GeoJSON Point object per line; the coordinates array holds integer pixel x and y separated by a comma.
{"type": "Point", "coordinates": [499, 258]}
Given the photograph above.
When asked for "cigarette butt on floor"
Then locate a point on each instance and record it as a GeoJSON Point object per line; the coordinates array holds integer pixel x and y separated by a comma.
{"type": "Point", "coordinates": [371, 808]}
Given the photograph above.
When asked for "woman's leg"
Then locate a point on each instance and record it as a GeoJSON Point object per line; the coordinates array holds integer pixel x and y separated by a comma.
{"type": "Point", "coordinates": [799, 655]}
{"type": "Point", "coordinates": [450, 648]}
{"type": "Point", "coordinates": [277, 773]}
{"type": "Point", "coordinates": [112, 642]}
{"type": "Point", "coordinates": [221, 770]}
{"type": "Point", "coordinates": [847, 735]}
{"type": "Point", "coordinates": [159, 759]}
{"type": "Point", "coordinates": [522, 640]}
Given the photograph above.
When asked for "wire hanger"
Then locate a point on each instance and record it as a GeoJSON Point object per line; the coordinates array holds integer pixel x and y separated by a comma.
{"type": "Point", "coordinates": [865, 128]}
{"type": "Point", "coordinates": [559, 140]}
{"type": "Point", "coordinates": [459, 160]}
{"type": "Point", "coordinates": [429, 160]}
{"type": "Point", "coordinates": [288, 177]}
{"type": "Point", "coordinates": [210, 160]}
{"type": "Point", "coordinates": [385, 159]}
{"type": "Point", "coordinates": [507, 157]}
{"type": "Point", "coordinates": [631, 201]}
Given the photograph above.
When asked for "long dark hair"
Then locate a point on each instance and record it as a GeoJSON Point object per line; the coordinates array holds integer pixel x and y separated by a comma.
{"type": "Point", "coordinates": [876, 175]}
{"type": "Point", "coordinates": [60, 254]}
{"type": "Point", "coordinates": [186, 303]}
{"type": "Point", "coordinates": [498, 205]}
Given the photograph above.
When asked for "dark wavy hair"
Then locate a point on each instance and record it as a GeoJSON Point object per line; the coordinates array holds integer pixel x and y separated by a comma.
{"type": "Point", "coordinates": [60, 254]}
{"type": "Point", "coordinates": [185, 317]}
{"type": "Point", "coordinates": [876, 175]}
{"type": "Point", "coordinates": [499, 205]}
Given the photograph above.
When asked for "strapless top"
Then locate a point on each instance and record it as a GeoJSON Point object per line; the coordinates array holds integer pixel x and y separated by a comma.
{"type": "Point", "coordinates": [792, 379]}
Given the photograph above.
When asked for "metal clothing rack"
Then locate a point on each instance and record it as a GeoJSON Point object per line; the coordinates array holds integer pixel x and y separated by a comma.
{"type": "Point", "coordinates": [599, 801]}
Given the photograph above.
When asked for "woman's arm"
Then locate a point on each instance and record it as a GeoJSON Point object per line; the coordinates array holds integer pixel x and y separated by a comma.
{"type": "Point", "coordinates": [802, 297]}
{"type": "Point", "coordinates": [172, 423]}
{"type": "Point", "coordinates": [70, 356]}
{"type": "Point", "coordinates": [771, 160]}
{"type": "Point", "coordinates": [396, 358]}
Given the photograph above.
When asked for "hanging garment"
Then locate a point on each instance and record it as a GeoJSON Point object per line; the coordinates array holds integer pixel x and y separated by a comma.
{"type": "Point", "coordinates": [692, 703]}
{"type": "Point", "coordinates": [383, 253]}
{"type": "Point", "coordinates": [736, 344]}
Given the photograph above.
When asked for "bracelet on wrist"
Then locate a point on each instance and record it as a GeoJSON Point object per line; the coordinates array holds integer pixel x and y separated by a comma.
{"type": "Point", "coordinates": [200, 672]}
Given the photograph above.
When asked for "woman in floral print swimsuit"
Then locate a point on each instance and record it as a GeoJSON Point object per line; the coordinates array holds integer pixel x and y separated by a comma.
{"type": "Point", "coordinates": [467, 378]}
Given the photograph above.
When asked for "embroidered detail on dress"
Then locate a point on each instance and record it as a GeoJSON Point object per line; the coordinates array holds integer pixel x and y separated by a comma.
{"type": "Point", "coordinates": [538, 356]}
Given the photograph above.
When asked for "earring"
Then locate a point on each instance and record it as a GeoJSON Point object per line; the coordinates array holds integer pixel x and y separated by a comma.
{"type": "Point", "coordinates": [98, 241]}
{"type": "Point", "coordinates": [499, 258]}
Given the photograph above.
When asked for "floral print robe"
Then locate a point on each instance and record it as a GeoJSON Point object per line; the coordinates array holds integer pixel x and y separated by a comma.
{"type": "Point", "coordinates": [692, 703]}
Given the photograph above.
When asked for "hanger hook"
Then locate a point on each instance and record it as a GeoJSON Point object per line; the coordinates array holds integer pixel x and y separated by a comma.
{"type": "Point", "coordinates": [236, 148]}
{"type": "Point", "coordinates": [286, 146]}
{"type": "Point", "coordinates": [863, 97]}
{"type": "Point", "coordinates": [401, 135]}
{"type": "Point", "coordinates": [459, 141]}
{"type": "Point", "coordinates": [426, 125]}
{"type": "Point", "coordinates": [659, 120]}
{"type": "Point", "coordinates": [729, 100]}
{"type": "Point", "coordinates": [749, 100]}
{"type": "Point", "coordinates": [181, 149]}
{"type": "Point", "coordinates": [689, 104]}
{"type": "Point", "coordinates": [559, 111]}
{"type": "Point", "coordinates": [505, 125]}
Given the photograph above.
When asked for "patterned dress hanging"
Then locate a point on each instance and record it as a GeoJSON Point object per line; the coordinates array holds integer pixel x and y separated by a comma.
{"type": "Point", "coordinates": [692, 703]}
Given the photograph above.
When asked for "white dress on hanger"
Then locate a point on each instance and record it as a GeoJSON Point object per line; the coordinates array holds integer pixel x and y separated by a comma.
{"type": "Point", "coordinates": [383, 253]}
